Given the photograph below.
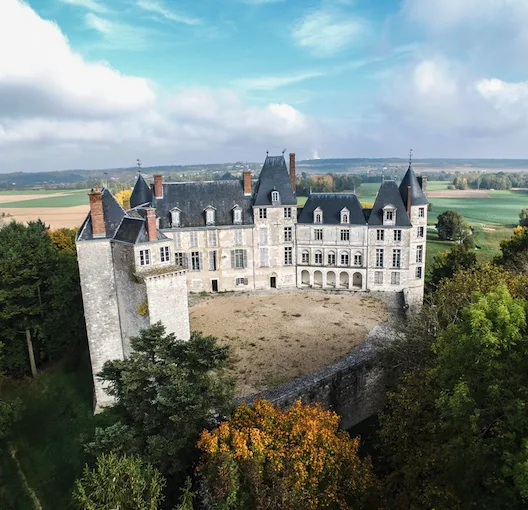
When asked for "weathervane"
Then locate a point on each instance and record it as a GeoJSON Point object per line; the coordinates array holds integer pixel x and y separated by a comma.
{"type": "Point", "coordinates": [410, 157]}
{"type": "Point", "coordinates": [283, 151]}
{"type": "Point", "coordinates": [138, 163]}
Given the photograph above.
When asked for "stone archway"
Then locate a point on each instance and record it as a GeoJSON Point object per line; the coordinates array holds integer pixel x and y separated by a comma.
{"type": "Point", "coordinates": [305, 277]}
{"type": "Point", "coordinates": [344, 280]}
{"type": "Point", "coordinates": [318, 279]}
{"type": "Point", "coordinates": [330, 279]}
{"type": "Point", "coordinates": [357, 280]}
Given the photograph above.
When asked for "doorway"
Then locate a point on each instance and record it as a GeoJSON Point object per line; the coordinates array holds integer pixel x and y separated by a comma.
{"type": "Point", "coordinates": [214, 284]}
{"type": "Point", "coordinates": [273, 282]}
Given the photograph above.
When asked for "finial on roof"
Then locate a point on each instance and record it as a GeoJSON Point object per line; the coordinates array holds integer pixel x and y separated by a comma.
{"type": "Point", "coordinates": [138, 163]}
{"type": "Point", "coordinates": [267, 153]}
{"type": "Point", "coordinates": [283, 151]}
{"type": "Point", "coordinates": [410, 157]}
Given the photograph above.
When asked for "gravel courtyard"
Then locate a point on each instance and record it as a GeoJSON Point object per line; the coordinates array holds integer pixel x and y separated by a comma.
{"type": "Point", "coordinates": [277, 337]}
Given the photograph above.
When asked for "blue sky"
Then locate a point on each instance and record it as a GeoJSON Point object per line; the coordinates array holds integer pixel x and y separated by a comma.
{"type": "Point", "coordinates": [93, 83]}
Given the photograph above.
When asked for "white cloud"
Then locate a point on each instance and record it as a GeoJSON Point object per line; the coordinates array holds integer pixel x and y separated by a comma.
{"type": "Point", "coordinates": [117, 35]}
{"type": "Point", "coordinates": [91, 5]}
{"type": "Point", "coordinates": [156, 7]}
{"type": "Point", "coordinates": [325, 33]}
{"type": "Point", "coordinates": [274, 82]}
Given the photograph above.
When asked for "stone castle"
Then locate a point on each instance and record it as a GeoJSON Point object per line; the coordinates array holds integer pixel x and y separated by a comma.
{"type": "Point", "coordinates": [137, 265]}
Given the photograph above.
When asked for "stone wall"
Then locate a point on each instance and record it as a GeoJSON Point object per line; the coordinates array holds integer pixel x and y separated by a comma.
{"type": "Point", "coordinates": [354, 387]}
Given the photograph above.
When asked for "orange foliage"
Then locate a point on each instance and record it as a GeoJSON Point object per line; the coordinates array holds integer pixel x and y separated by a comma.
{"type": "Point", "coordinates": [265, 457]}
{"type": "Point", "coordinates": [63, 239]}
{"type": "Point", "coordinates": [123, 197]}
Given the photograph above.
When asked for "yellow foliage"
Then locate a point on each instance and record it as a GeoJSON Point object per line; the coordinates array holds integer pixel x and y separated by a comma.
{"type": "Point", "coordinates": [63, 239]}
{"type": "Point", "coordinates": [142, 308]}
{"type": "Point", "coordinates": [123, 197]}
{"type": "Point", "coordinates": [298, 454]}
{"type": "Point", "coordinates": [367, 205]}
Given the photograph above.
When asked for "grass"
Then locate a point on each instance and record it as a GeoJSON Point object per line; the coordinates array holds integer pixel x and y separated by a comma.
{"type": "Point", "coordinates": [48, 439]}
{"type": "Point", "coordinates": [70, 200]}
{"type": "Point", "coordinates": [14, 192]}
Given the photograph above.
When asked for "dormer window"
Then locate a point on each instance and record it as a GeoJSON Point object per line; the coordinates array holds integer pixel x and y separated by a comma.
{"type": "Point", "coordinates": [275, 197]}
{"type": "Point", "coordinates": [389, 215]}
{"type": "Point", "coordinates": [345, 215]}
{"type": "Point", "coordinates": [318, 215]}
{"type": "Point", "coordinates": [210, 215]}
{"type": "Point", "coordinates": [176, 217]}
{"type": "Point", "coordinates": [237, 215]}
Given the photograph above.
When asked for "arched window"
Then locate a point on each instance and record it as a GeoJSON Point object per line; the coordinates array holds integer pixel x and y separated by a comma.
{"type": "Point", "coordinates": [358, 259]}
{"type": "Point", "coordinates": [210, 216]}
{"type": "Point", "coordinates": [237, 215]}
{"type": "Point", "coordinates": [319, 258]}
{"type": "Point", "coordinates": [318, 215]}
{"type": "Point", "coordinates": [331, 258]}
{"type": "Point", "coordinates": [176, 217]}
{"type": "Point", "coordinates": [344, 258]}
{"type": "Point", "coordinates": [305, 257]}
{"type": "Point", "coordinates": [345, 215]}
{"type": "Point", "coordinates": [275, 197]}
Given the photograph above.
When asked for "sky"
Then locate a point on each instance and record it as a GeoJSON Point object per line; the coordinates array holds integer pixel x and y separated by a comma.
{"type": "Point", "coordinates": [99, 83]}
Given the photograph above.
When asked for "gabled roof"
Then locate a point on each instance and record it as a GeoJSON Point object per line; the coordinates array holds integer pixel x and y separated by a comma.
{"type": "Point", "coordinates": [113, 214]}
{"type": "Point", "coordinates": [275, 176]}
{"type": "Point", "coordinates": [332, 204]}
{"type": "Point", "coordinates": [141, 194]}
{"type": "Point", "coordinates": [193, 198]}
{"type": "Point", "coordinates": [134, 231]}
{"type": "Point", "coordinates": [417, 195]}
{"type": "Point", "coordinates": [389, 194]}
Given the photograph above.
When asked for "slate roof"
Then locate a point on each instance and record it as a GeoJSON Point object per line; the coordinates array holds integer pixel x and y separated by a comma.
{"type": "Point", "coordinates": [134, 230]}
{"type": "Point", "coordinates": [389, 194]}
{"type": "Point", "coordinates": [141, 194]}
{"type": "Point", "coordinates": [417, 195]}
{"type": "Point", "coordinates": [275, 176]}
{"type": "Point", "coordinates": [331, 204]}
{"type": "Point", "coordinates": [113, 214]}
{"type": "Point", "coordinates": [192, 198]}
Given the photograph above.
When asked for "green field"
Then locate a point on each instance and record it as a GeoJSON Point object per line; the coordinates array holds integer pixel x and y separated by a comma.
{"type": "Point", "coordinates": [71, 199]}
{"type": "Point", "coordinates": [11, 193]}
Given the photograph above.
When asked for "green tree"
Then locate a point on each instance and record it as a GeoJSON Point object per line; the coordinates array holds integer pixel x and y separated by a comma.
{"type": "Point", "coordinates": [452, 226]}
{"type": "Point", "coordinates": [9, 408]}
{"type": "Point", "coordinates": [167, 391]}
{"type": "Point", "coordinates": [523, 218]}
{"type": "Point", "coordinates": [454, 434]}
{"type": "Point", "coordinates": [446, 264]}
{"type": "Point", "coordinates": [514, 251]}
{"type": "Point", "coordinates": [124, 483]}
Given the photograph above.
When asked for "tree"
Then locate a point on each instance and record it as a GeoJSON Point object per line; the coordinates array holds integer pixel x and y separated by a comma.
{"type": "Point", "coordinates": [452, 226]}
{"type": "Point", "coordinates": [124, 483]}
{"type": "Point", "coordinates": [123, 197]}
{"type": "Point", "coordinates": [523, 218]}
{"type": "Point", "coordinates": [264, 457]}
{"type": "Point", "coordinates": [9, 409]}
{"type": "Point", "coordinates": [515, 251]}
{"type": "Point", "coordinates": [454, 434]}
{"type": "Point", "coordinates": [446, 264]}
{"type": "Point", "coordinates": [167, 391]}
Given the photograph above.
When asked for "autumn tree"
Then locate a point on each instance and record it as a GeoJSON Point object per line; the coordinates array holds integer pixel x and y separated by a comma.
{"type": "Point", "coordinates": [264, 457]}
{"type": "Point", "coordinates": [123, 197]}
{"type": "Point", "coordinates": [523, 218]}
{"type": "Point", "coordinates": [514, 251]}
{"type": "Point", "coordinates": [167, 391]}
{"type": "Point", "coordinates": [446, 264]}
{"type": "Point", "coordinates": [119, 482]}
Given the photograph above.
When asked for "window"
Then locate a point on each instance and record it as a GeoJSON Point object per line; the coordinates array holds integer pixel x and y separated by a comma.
{"type": "Point", "coordinates": [212, 238]}
{"type": "Point", "coordinates": [419, 254]}
{"type": "Point", "coordinates": [318, 258]}
{"type": "Point", "coordinates": [305, 257]}
{"type": "Point", "coordinates": [213, 260]}
{"type": "Point", "coordinates": [380, 235]}
{"type": "Point", "coordinates": [318, 234]}
{"type": "Point", "coordinates": [263, 234]}
{"type": "Point", "coordinates": [239, 237]}
{"type": "Point", "coordinates": [378, 277]}
{"type": "Point", "coordinates": [241, 281]}
{"type": "Point", "coordinates": [264, 257]}
{"type": "Point", "coordinates": [395, 278]}
{"type": "Point", "coordinates": [288, 256]}
{"type": "Point", "coordinates": [397, 235]}
{"type": "Point", "coordinates": [419, 273]}
{"type": "Point", "coordinates": [180, 259]}
{"type": "Point", "coordinates": [238, 259]}
{"type": "Point", "coordinates": [196, 261]}
{"type": "Point", "coordinates": [287, 234]}
{"type": "Point", "coordinates": [345, 235]}
{"type": "Point", "coordinates": [389, 215]}
{"type": "Point", "coordinates": [421, 212]}
{"type": "Point", "coordinates": [344, 258]}
{"type": "Point", "coordinates": [263, 214]}
{"type": "Point", "coordinates": [345, 216]}
{"type": "Point", "coordinates": [358, 259]}
{"type": "Point", "coordinates": [379, 258]}
{"type": "Point", "coordinates": [331, 258]}
{"type": "Point", "coordinates": [144, 257]}
{"type": "Point", "coordinates": [209, 216]}
{"type": "Point", "coordinates": [164, 254]}
{"type": "Point", "coordinates": [275, 198]}
{"type": "Point", "coordinates": [396, 258]}
{"type": "Point", "coordinates": [420, 232]}
{"type": "Point", "coordinates": [193, 239]}
{"type": "Point", "coordinates": [237, 216]}
{"type": "Point", "coordinates": [287, 212]}
{"type": "Point", "coordinates": [177, 240]}
{"type": "Point", "coordinates": [176, 218]}
{"type": "Point", "coordinates": [318, 216]}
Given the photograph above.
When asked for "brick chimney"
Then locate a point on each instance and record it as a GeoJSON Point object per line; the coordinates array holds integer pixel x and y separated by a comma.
{"type": "Point", "coordinates": [292, 170]}
{"type": "Point", "coordinates": [409, 201]}
{"type": "Point", "coordinates": [96, 212]}
{"type": "Point", "coordinates": [247, 183]}
{"type": "Point", "coordinates": [423, 183]}
{"type": "Point", "coordinates": [151, 224]}
{"type": "Point", "coordinates": [158, 186]}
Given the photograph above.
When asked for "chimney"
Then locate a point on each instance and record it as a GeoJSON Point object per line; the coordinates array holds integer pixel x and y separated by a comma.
{"type": "Point", "coordinates": [423, 183]}
{"type": "Point", "coordinates": [409, 201]}
{"type": "Point", "coordinates": [292, 170]}
{"type": "Point", "coordinates": [151, 224]}
{"type": "Point", "coordinates": [96, 212]}
{"type": "Point", "coordinates": [247, 183]}
{"type": "Point", "coordinates": [158, 186]}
